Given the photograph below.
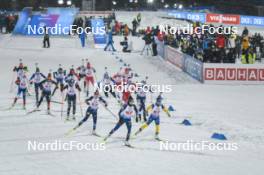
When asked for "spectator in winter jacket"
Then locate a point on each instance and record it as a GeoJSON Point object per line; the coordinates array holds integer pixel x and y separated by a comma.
{"type": "Point", "coordinates": [125, 45]}
{"type": "Point", "coordinates": [245, 49]}
{"type": "Point", "coordinates": [126, 30]}
{"type": "Point", "coordinates": [245, 32]}
{"type": "Point", "coordinates": [148, 30]}
{"type": "Point", "coordinates": [134, 28]}
{"type": "Point", "coordinates": [231, 45]}
{"type": "Point", "coordinates": [220, 44]}
{"type": "Point", "coordinates": [110, 41]}
{"type": "Point", "coordinates": [117, 27]}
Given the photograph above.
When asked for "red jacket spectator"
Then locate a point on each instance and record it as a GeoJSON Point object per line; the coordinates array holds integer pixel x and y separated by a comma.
{"type": "Point", "coordinates": [220, 41]}
{"type": "Point", "coordinates": [117, 27]}
{"type": "Point", "coordinates": [148, 30]}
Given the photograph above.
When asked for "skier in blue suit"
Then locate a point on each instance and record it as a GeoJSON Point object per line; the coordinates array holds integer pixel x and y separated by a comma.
{"type": "Point", "coordinates": [110, 41]}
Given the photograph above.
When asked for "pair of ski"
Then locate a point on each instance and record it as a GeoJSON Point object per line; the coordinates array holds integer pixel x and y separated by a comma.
{"type": "Point", "coordinates": [37, 110]}
{"type": "Point", "coordinates": [71, 131]}
{"type": "Point", "coordinates": [12, 107]}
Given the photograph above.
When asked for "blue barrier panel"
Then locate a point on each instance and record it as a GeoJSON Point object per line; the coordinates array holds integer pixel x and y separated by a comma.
{"type": "Point", "coordinates": [99, 37]}
{"type": "Point", "coordinates": [174, 56]}
{"type": "Point", "coordinates": [252, 20]}
{"type": "Point", "coordinates": [160, 48]}
{"type": "Point", "coordinates": [193, 67]}
{"type": "Point", "coordinates": [66, 16]}
{"type": "Point", "coordinates": [178, 14]}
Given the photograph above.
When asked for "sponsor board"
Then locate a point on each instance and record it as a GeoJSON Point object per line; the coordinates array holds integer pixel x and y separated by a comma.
{"type": "Point", "coordinates": [222, 18]}
{"type": "Point", "coordinates": [252, 20]}
{"type": "Point", "coordinates": [174, 57]}
{"type": "Point", "coordinates": [99, 39]}
{"type": "Point", "coordinates": [193, 67]}
{"type": "Point", "coordinates": [160, 48]}
{"type": "Point", "coordinates": [188, 15]}
{"type": "Point", "coordinates": [233, 74]}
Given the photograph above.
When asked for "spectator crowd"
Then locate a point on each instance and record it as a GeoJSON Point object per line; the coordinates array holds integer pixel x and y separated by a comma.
{"type": "Point", "coordinates": [7, 22]}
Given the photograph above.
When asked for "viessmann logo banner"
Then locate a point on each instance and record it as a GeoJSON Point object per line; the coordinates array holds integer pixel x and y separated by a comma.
{"type": "Point", "coordinates": [222, 18]}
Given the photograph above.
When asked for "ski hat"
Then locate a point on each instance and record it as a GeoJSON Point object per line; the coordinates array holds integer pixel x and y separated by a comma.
{"type": "Point", "coordinates": [130, 101]}
{"type": "Point", "coordinates": [88, 65]}
{"type": "Point", "coordinates": [60, 70]}
{"type": "Point", "coordinates": [72, 71]}
{"type": "Point", "coordinates": [96, 93]}
{"type": "Point", "coordinates": [49, 76]}
{"type": "Point", "coordinates": [127, 70]}
{"type": "Point", "coordinates": [143, 82]}
{"type": "Point", "coordinates": [106, 75]}
{"type": "Point", "coordinates": [20, 65]}
{"type": "Point", "coordinates": [158, 100]}
{"type": "Point", "coordinates": [37, 69]}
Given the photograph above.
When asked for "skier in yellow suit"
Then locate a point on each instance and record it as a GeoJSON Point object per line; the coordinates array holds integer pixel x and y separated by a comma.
{"type": "Point", "coordinates": [154, 116]}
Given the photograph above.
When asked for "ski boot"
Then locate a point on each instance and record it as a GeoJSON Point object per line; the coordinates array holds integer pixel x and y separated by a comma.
{"type": "Point", "coordinates": [127, 144]}
{"type": "Point", "coordinates": [67, 118]}
{"type": "Point", "coordinates": [73, 117]}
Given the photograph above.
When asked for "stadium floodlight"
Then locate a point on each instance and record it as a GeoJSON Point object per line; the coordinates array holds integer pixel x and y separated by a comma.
{"type": "Point", "coordinates": [60, 2]}
{"type": "Point", "coordinates": [69, 2]}
{"type": "Point", "coordinates": [180, 6]}
{"type": "Point", "coordinates": [150, 1]}
{"type": "Point", "coordinates": [114, 2]}
{"type": "Point", "coordinates": [166, 6]}
{"type": "Point", "coordinates": [175, 5]}
{"type": "Point", "coordinates": [162, 1]}
{"type": "Point", "coordinates": [136, 1]}
{"type": "Point", "coordinates": [130, 1]}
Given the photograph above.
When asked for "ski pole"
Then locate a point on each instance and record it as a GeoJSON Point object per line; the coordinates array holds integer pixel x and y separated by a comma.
{"type": "Point", "coordinates": [62, 103]}
{"type": "Point", "coordinates": [79, 98]}
{"type": "Point", "coordinates": [12, 83]}
{"type": "Point", "coordinates": [111, 113]}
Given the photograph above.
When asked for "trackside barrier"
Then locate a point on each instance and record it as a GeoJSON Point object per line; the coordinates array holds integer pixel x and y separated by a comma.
{"type": "Point", "coordinates": [233, 73]}
{"type": "Point", "coordinates": [220, 73]}
{"type": "Point", "coordinates": [191, 66]}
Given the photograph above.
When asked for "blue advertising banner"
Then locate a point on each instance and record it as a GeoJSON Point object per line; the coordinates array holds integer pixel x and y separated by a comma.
{"type": "Point", "coordinates": [179, 15]}
{"type": "Point", "coordinates": [201, 17]}
{"type": "Point", "coordinates": [59, 19]}
{"type": "Point", "coordinates": [66, 16]}
{"type": "Point", "coordinates": [193, 67]}
{"type": "Point", "coordinates": [252, 20]}
{"type": "Point", "coordinates": [39, 21]}
{"type": "Point", "coordinates": [99, 37]}
{"type": "Point", "coordinates": [23, 21]}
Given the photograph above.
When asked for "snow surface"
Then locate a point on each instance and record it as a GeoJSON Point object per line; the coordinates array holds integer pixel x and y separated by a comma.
{"type": "Point", "coordinates": [236, 111]}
